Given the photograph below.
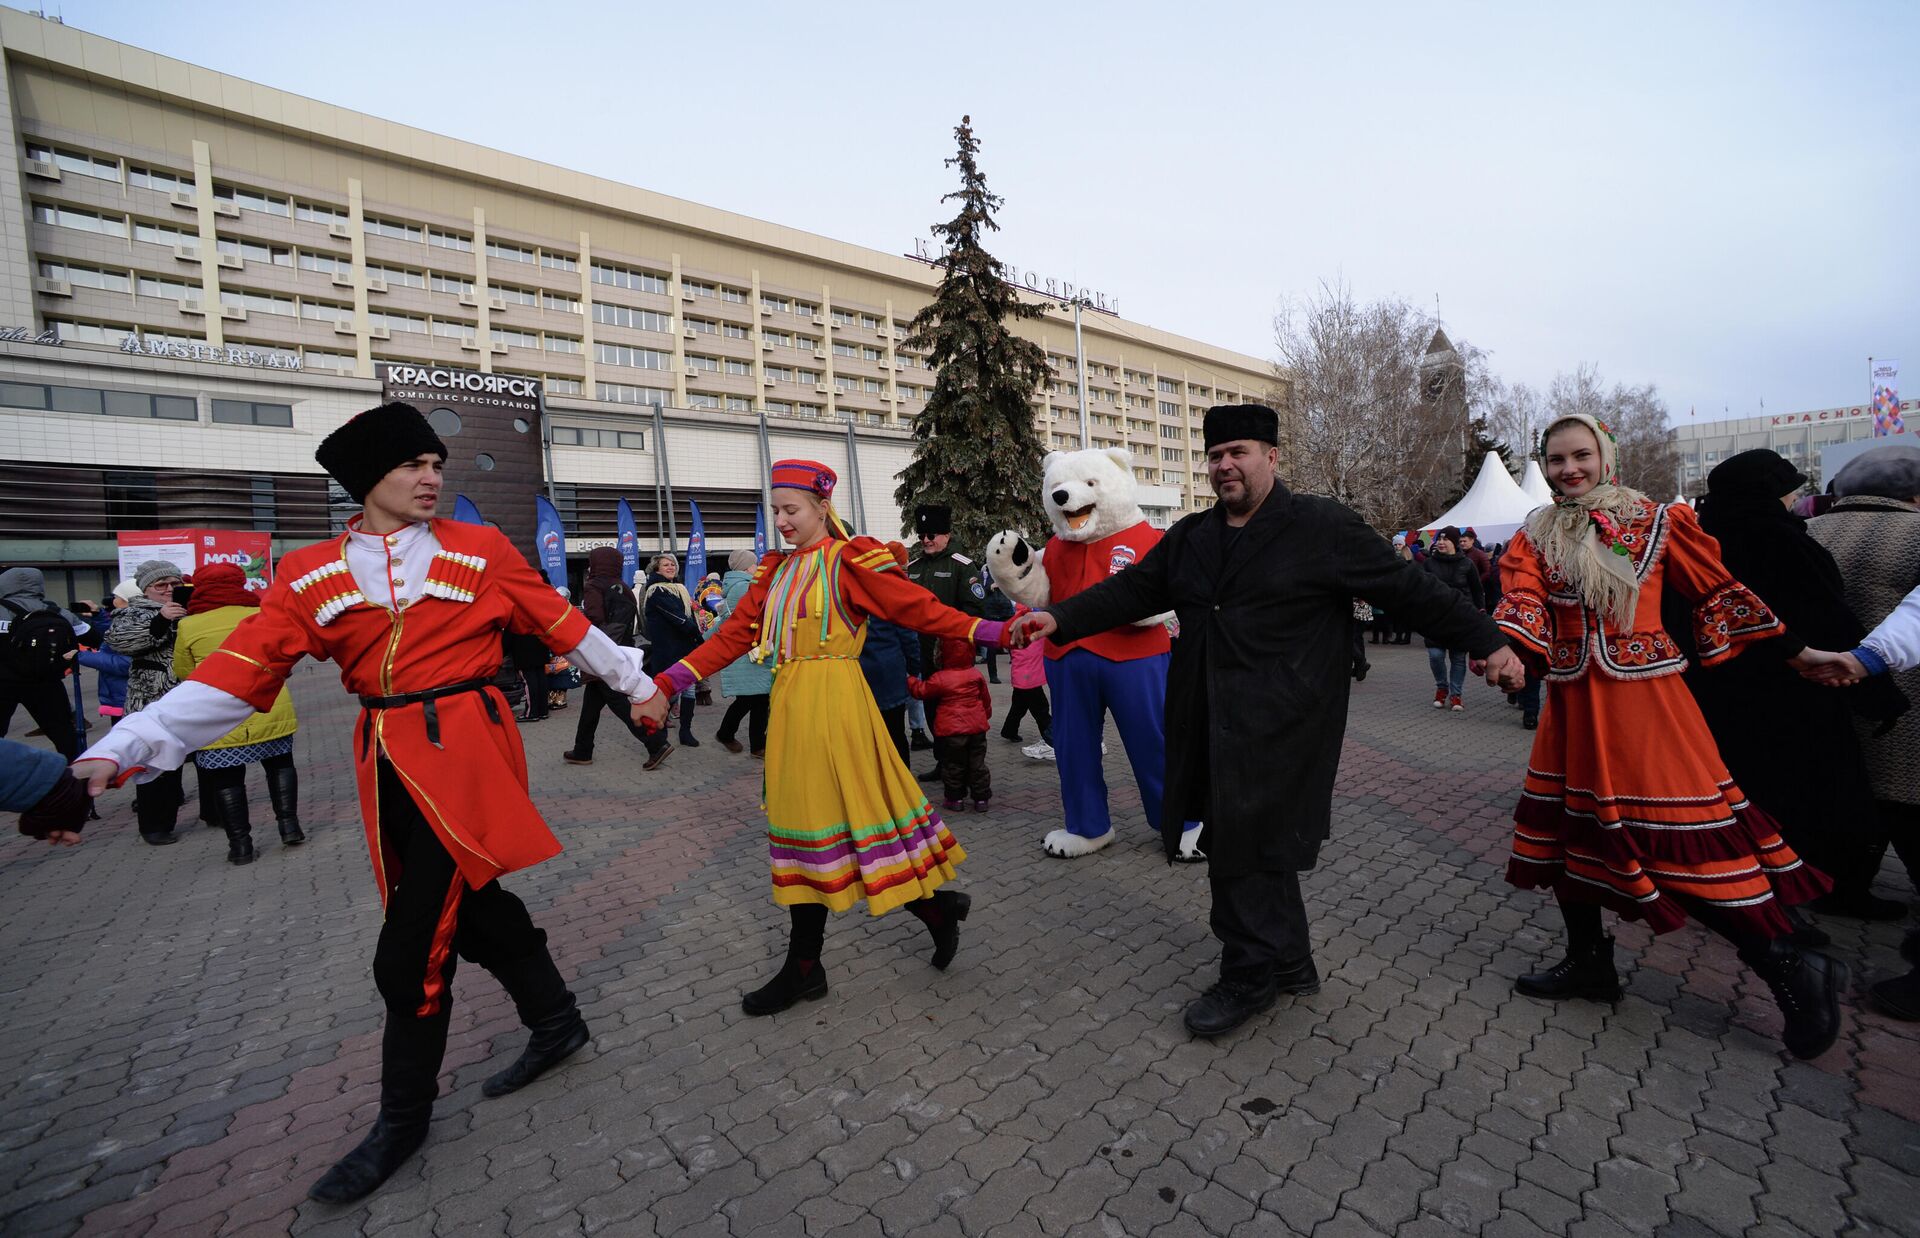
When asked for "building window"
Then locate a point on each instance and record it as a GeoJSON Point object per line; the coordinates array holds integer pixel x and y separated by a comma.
{"type": "Point", "coordinates": [582, 436]}
{"type": "Point", "coordinates": [562, 343]}
{"type": "Point", "coordinates": [253, 200]}
{"type": "Point", "coordinates": [394, 229]}
{"type": "Point", "coordinates": [806, 309]}
{"type": "Point", "coordinates": [696, 288]}
{"type": "Point", "coordinates": [452, 285]}
{"type": "Point", "coordinates": [158, 180]}
{"type": "Point", "coordinates": [254, 251]}
{"type": "Point", "coordinates": [509, 253]}
{"type": "Point", "coordinates": [316, 213]}
{"type": "Point", "coordinates": [622, 277]}
{"type": "Point", "coordinates": [635, 358]}
{"type": "Point", "coordinates": [710, 365]}
{"type": "Point", "coordinates": [735, 296]}
{"type": "Point", "coordinates": [700, 399]}
{"type": "Point", "coordinates": [324, 264]}
{"type": "Point", "coordinates": [325, 311]}
{"type": "Point", "coordinates": [257, 302]}
{"type": "Point", "coordinates": [776, 303]}
{"type": "Point", "coordinates": [397, 322]}
{"type": "Point", "coordinates": [558, 385]}
{"type": "Point", "coordinates": [160, 234]}
{"type": "Point", "coordinates": [451, 329]}
{"type": "Point", "coordinates": [702, 326]}
{"type": "Point", "coordinates": [780, 408]}
{"type": "Point", "coordinates": [450, 240]}
{"type": "Point", "coordinates": [398, 277]}
{"type": "Point", "coordinates": [633, 319]}
{"type": "Point", "coordinates": [733, 331]}
{"type": "Point", "coordinates": [87, 277]}
{"type": "Point", "coordinates": [808, 410]}
{"type": "Point", "coordinates": [56, 399]}
{"type": "Point", "coordinates": [515, 339]}
{"type": "Point", "coordinates": [736, 366]}
{"type": "Point", "coordinates": [559, 304]}
{"type": "Point", "coordinates": [249, 413]}
{"type": "Point", "coordinates": [622, 393]}
{"type": "Point", "coordinates": [558, 262]}
{"type": "Point", "coordinates": [739, 404]}
{"type": "Point", "coordinates": [872, 354]}
{"type": "Point", "coordinates": [326, 359]}
{"type": "Point", "coordinates": [75, 161]}
{"type": "Point", "coordinates": [514, 296]}
{"type": "Point", "coordinates": [263, 504]}
{"type": "Point", "coordinates": [79, 221]}
{"type": "Point", "coordinates": [133, 500]}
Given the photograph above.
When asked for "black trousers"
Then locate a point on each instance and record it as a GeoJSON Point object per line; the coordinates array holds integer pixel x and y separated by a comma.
{"type": "Point", "coordinates": [1029, 701]}
{"type": "Point", "coordinates": [432, 921]}
{"type": "Point", "coordinates": [1359, 647]}
{"type": "Point", "coordinates": [156, 804]}
{"type": "Point", "coordinates": [48, 706]}
{"type": "Point", "coordinates": [993, 665]}
{"type": "Point", "coordinates": [596, 696]}
{"type": "Point", "coordinates": [754, 709]}
{"type": "Point", "coordinates": [530, 660]}
{"type": "Point", "coordinates": [963, 766]}
{"type": "Point", "coordinates": [895, 722]}
{"type": "Point", "coordinates": [1261, 922]}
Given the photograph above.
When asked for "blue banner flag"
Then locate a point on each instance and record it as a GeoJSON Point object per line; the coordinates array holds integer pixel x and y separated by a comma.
{"type": "Point", "coordinates": [629, 545]}
{"type": "Point", "coordinates": [551, 541]}
{"type": "Point", "coordinates": [759, 534]}
{"type": "Point", "coordinates": [696, 550]}
{"type": "Point", "coordinates": [464, 511]}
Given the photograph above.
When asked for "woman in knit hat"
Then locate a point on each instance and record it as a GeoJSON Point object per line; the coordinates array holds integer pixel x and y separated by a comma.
{"type": "Point", "coordinates": [1627, 803]}
{"type": "Point", "coordinates": [220, 601]}
{"type": "Point", "coordinates": [846, 820]}
{"type": "Point", "coordinates": [144, 631]}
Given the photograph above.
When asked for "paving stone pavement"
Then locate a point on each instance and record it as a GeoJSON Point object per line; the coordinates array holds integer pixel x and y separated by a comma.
{"type": "Point", "coordinates": [189, 1044]}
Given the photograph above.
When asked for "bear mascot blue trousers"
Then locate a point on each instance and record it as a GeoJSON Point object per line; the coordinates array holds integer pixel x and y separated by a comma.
{"type": "Point", "coordinates": [1085, 686]}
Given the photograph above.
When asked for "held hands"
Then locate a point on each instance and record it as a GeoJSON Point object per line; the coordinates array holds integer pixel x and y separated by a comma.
{"type": "Point", "coordinates": [651, 714]}
{"type": "Point", "coordinates": [1032, 626]}
{"type": "Point", "coordinates": [57, 818]}
{"type": "Point", "coordinates": [1503, 670]}
{"type": "Point", "coordinates": [1836, 670]}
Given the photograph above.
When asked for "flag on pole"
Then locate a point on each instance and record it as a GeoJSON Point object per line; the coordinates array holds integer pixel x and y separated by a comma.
{"type": "Point", "coordinates": [696, 550]}
{"type": "Point", "coordinates": [464, 511]}
{"type": "Point", "coordinates": [759, 534]}
{"type": "Point", "coordinates": [550, 537]}
{"type": "Point", "coordinates": [629, 545]}
{"type": "Point", "coordinates": [1886, 399]}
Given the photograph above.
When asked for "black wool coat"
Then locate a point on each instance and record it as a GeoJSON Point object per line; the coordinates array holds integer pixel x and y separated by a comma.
{"type": "Point", "coordinates": [1257, 689]}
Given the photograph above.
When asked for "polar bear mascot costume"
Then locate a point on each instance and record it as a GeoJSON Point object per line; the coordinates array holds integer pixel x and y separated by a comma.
{"type": "Point", "coordinates": [1098, 530]}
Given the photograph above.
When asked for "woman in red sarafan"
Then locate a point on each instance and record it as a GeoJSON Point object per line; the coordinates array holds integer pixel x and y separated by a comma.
{"type": "Point", "coordinates": [1627, 803]}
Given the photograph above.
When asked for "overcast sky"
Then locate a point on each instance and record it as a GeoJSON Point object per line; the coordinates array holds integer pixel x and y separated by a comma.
{"type": "Point", "coordinates": [1721, 199]}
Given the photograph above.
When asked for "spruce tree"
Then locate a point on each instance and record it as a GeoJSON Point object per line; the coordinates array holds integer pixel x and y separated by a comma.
{"type": "Point", "coordinates": [976, 448]}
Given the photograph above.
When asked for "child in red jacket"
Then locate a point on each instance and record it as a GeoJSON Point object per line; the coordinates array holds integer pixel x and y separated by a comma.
{"type": "Point", "coordinates": [960, 725]}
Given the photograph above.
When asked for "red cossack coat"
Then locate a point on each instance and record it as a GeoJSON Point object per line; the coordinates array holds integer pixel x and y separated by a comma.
{"type": "Point", "coordinates": [472, 788]}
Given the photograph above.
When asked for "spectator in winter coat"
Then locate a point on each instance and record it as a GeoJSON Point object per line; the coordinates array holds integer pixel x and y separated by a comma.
{"type": "Point", "coordinates": [672, 631]}
{"type": "Point", "coordinates": [749, 683]}
{"type": "Point", "coordinates": [23, 591]}
{"type": "Point", "coordinates": [890, 656]}
{"type": "Point", "coordinates": [1455, 569]}
{"type": "Point", "coordinates": [1029, 691]}
{"type": "Point", "coordinates": [964, 708]}
{"type": "Point", "coordinates": [111, 687]}
{"type": "Point", "coordinates": [145, 632]}
{"type": "Point", "coordinates": [1482, 563]}
{"type": "Point", "coordinates": [610, 606]}
{"type": "Point", "coordinates": [34, 783]}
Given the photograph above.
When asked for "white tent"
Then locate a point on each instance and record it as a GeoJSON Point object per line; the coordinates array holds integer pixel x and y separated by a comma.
{"type": "Point", "coordinates": [1494, 506]}
{"type": "Point", "coordinates": [1534, 484]}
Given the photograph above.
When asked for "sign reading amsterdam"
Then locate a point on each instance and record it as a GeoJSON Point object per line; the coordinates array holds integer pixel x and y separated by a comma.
{"type": "Point", "coordinates": [1043, 285]}
{"type": "Point", "coordinates": [174, 350]}
{"type": "Point", "coordinates": [491, 426]}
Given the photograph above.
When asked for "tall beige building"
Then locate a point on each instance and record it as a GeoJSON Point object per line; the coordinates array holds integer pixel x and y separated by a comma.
{"type": "Point", "coordinates": [200, 276]}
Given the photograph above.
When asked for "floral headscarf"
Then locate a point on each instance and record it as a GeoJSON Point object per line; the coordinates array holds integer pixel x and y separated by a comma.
{"type": "Point", "coordinates": [1580, 537]}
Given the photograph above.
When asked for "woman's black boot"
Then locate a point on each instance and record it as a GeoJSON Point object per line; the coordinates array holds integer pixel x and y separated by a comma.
{"type": "Point", "coordinates": [283, 787]}
{"type": "Point", "coordinates": [1587, 971]}
{"type": "Point", "coordinates": [232, 810]}
{"type": "Point", "coordinates": [801, 978]}
{"type": "Point", "coordinates": [1806, 985]}
{"type": "Point", "coordinates": [942, 914]}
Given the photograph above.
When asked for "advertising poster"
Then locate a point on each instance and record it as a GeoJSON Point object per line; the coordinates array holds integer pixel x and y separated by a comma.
{"type": "Point", "coordinates": [192, 549]}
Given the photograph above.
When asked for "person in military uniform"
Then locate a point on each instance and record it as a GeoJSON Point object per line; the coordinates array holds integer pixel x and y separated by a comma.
{"type": "Point", "coordinates": [952, 578]}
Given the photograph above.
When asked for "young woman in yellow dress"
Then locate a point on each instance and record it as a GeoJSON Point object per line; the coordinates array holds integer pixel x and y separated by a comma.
{"type": "Point", "coordinates": [846, 819]}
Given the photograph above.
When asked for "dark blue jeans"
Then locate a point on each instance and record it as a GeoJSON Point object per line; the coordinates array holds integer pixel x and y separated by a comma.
{"type": "Point", "coordinates": [1453, 683]}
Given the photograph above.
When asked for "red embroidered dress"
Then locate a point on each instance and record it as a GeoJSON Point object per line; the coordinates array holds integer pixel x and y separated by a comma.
{"type": "Point", "coordinates": [1626, 799]}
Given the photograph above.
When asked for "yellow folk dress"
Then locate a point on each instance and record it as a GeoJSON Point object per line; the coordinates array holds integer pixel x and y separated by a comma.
{"type": "Point", "coordinates": [846, 819]}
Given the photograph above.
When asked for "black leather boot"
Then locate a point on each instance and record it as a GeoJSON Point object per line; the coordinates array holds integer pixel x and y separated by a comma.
{"type": "Point", "coordinates": [686, 725]}
{"type": "Point", "coordinates": [1587, 972]}
{"type": "Point", "coordinates": [410, 1055]}
{"type": "Point", "coordinates": [942, 914]}
{"type": "Point", "coordinates": [231, 807]}
{"type": "Point", "coordinates": [1228, 1004]}
{"type": "Point", "coordinates": [283, 786]}
{"type": "Point", "coordinates": [799, 980]}
{"type": "Point", "coordinates": [547, 1008]}
{"type": "Point", "coordinates": [1806, 986]}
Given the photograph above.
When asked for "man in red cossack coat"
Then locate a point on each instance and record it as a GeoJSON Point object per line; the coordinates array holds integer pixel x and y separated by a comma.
{"type": "Point", "coordinates": [411, 607]}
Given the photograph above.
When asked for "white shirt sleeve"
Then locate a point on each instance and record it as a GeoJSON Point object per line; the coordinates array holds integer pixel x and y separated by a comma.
{"type": "Point", "coordinates": [621, 668]}
{"type": "Point", "coordinates": [162, 736]}
{"type": "Point", "coordinates": [1897, 639]}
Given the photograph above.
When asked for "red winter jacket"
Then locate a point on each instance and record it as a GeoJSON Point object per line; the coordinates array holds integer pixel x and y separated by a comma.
{"type": "Point", "coordinates": [960, 690]}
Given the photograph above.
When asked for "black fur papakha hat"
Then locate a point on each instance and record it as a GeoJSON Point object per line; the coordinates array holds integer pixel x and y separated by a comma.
{"type": "Point", "coordinates": [375, 443]}
{"type": "Point", "coordinates": [931, 520]}
{"type": "Point", "coordinates": [1227, 423]}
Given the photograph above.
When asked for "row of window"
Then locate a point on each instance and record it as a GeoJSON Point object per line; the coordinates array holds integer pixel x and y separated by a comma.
{"type": "Point", "coordinates": [62, 399]}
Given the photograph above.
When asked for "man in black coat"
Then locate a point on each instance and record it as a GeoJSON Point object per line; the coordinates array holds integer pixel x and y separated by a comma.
{"type": "Point", "coordinates": [1263, 584]}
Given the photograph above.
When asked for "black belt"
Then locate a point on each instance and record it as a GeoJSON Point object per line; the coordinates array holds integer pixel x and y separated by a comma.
{"type": "Point", "coordinates": [426, 698]}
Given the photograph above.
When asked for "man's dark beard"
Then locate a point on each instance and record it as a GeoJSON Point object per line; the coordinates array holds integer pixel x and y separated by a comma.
{"type": "Point", "coordinates": [1247, 501]}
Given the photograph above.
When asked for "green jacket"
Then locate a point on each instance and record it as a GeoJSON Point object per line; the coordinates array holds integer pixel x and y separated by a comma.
{"type": "Point", "coordinates": [194, 642]}
{"type": "Point", "coordinates": [953, 578]}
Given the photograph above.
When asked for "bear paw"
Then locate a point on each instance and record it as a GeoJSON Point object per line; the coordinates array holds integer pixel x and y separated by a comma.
{"type": "Point", "coordinates": [1066, 845]}
{"type": "Point", "coordinates": [1016, 569]}
{"type": "Point", "coordinates": [1190, 852]}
